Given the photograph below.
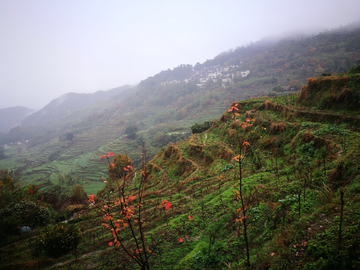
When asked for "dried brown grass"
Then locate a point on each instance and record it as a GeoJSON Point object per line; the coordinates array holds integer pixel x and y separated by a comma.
{"type": "Point", "coordinates": [148, 193]}
{"type": "Point", "coordinates": [250, 114]}
{"type": "Point", "coordinates": [170, 150]}
{"type": "Point", "coordinates": [268, 104]}
{"type": "Point", "coordinates": [276, 128]}
{"type": "Point", "coordinates": [307, 137]}
{"type": "Point", "coordinates": [226, 154]}
{"type": "Point", "coordinates": [345, 93]}
{"type": "Point", "coordinates": [192, 178]}
{"type": "Point", "coordinates": [235, 123]}
{"type": "Point", "coordinates": [330, 85]}
{"type": "Point", "coordinates": [232, 133]}
{"type": "Point", "coordinates": [270, 142]}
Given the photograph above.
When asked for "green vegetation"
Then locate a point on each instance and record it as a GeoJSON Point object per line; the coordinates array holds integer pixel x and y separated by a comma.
{"type": "Point", "coordinates": [198, 128]}
{"type": "Point", "coordinates": [130, 131]}
{"type": "Point", "coordinates": [2, 154]}
{"type": "Point", "coordinates": [56, 241]}
{"type": "Point", "coordinates": [273, 184]}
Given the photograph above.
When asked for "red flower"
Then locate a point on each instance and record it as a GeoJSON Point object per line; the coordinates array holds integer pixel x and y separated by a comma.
{"type": "Point", "coordinates": [233, 108]}
{"type": "Point", "coordinates": [167, 205]}
{"type": "Point", "coordinates": [103, 156]}
{"type": "Point", "coordinates": [91, 198]}
{"type": "Point", "coordinates": [110, 244]}
{"type": "Point", "coordinates": [180, 240]}
{"type": "Point", "coordinates": [110, 154]}
{"type": "Point", "coordinates": [112, 164]}
{"type": "Point", "coordinates": [190, 217]}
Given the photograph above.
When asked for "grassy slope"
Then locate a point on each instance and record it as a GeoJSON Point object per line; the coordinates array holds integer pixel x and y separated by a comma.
{"type": "Point", "coordinates": [196, 176]}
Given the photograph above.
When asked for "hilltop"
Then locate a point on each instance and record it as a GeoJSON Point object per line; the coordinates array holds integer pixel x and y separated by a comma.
{"type": "Point", "coordinates": [285, 169]}
{"type": "Point", "coordinates": [70, 102]}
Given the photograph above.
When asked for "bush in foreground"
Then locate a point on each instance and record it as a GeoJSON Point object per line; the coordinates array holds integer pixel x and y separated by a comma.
{"type": "Point", "coordinates": [56, 241]}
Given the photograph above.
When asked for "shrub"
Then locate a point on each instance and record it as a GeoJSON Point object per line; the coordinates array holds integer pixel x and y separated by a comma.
{"type": "Point", "coordinates": [118, 166]}
{"type": "Point", "coordinates": [278, 88]}
{"type": "Point", "coordinates": [131, 131]}
{"type": "Point", "coordinates": [26, 213]}
{"type": "Point", "coordinates": [198, 128]}
{"type": "Point", "coordinates": [56, 241]}
{"type": "Point", "coordinates": [278, 127]}
{"type": "Point", "coordinates": [227, 167]}
{"type": "Point", "coordinates": [354, 70]}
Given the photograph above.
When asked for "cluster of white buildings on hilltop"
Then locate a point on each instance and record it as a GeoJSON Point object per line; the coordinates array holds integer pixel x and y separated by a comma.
{"type": "Point", "coordinates": [214, 73]}
{"type": "Point", "coordinates": [15, 143]}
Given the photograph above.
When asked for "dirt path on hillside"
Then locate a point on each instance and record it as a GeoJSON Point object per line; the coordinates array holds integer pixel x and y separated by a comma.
{"type": "Point", "coordinates": [81, 257]}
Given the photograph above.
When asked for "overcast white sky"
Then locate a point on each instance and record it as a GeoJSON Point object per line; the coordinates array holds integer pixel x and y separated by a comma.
{"type": "Point", "coordinates": [48, 48]}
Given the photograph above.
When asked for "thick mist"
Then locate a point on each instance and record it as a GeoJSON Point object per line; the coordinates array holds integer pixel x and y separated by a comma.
{"type": "Point", "coordinates": [49, 48]}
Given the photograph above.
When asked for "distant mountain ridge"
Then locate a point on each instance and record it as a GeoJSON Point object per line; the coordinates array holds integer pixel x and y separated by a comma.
{"type": "Point", "coordinates": [71, 101]}
{"type": "Point", "coordinates": [11, 117]}
{"type": "Point", "coordinates": [331, 51]}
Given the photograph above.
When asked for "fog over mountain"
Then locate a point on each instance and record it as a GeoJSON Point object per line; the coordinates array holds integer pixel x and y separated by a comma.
{"type": "Point", "coordinates": [11, 117]}
{"type": "Point", "coordinates": [70, 102]}
{"type": "Point", "coordinates": [49, 48]}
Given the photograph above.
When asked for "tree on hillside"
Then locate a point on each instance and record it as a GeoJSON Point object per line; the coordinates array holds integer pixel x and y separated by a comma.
{"type": "Point", "coordinates": [69, 136]}
{"type": "Point", "coordinates": [354, 70]}
{"type": "Point", "coordinates": [278, 88]}
{"type": "Point", "coordinates": [8, 187]}
{"type": "Point", "coordinates": [118, 167]}
{"type": "Point", "coordinates": [295, 84]}
{"type": "Point", "coordinates": [128, 217]}
{"type": "Point", "coordinates": [130, 131]}
{"type": "Point", "coordinates": [199, 128]}
{"type": "Point", "coordinates": [2, 154]}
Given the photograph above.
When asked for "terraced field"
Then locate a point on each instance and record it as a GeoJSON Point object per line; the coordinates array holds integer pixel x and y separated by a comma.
{"type": "Point", "coordinates": [79, 158]}
{"type": "Point", "coordinates": [200, 177]}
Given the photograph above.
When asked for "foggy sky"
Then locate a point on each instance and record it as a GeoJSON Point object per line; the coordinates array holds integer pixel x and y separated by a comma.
{"type": "Point", "coordinates": [48, 48]}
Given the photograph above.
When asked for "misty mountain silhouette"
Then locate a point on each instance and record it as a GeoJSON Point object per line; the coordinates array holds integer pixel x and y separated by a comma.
{"type": "Point", "coordinates": [11, 117]}
{"type": "Point", "coordinates": [71, 101]}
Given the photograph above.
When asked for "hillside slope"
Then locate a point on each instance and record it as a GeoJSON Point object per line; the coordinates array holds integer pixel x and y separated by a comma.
{"type": "Point", "coordinates": [280, 168]}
